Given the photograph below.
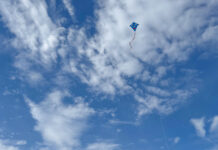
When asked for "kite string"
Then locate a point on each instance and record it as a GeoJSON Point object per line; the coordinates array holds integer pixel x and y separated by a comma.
{"type": "Point", "coordinates": [164, 133]}
{"type": "Point", "coordinates": [130, 43]}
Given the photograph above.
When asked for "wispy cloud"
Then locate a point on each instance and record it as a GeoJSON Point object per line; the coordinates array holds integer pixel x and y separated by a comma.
{"type": "Point", "coordinates": [167, 35]}
{"type": "Point", "coordinates": [176, 140]}
{"type": "Point", "coordinates": [161, 101]}
{"type": "Point", "coordinates": [33, 28]}
{"type": "Point", "coordinates": [152, 72]}
{"type": "Point", "coordinates": [36, 37]}
{"type": "Point", "coordinates": [6, 145]}
{"type": "Point", "coordinates": [21, 142]}
{"type": "Point", "coordinates": [210, 135]}
{"type": "Point", "coordinates": [102, 146]}
{"type": "Point", "coordinates": [69, 7]}
{"type": "Point", "coordinates": [152, 103]}
{"type": "Point", "coordinates": [60, 125]}
{"type": "Point", "coordinates": [199, 125]}
{"type": "Point", "coordinates": [214, 125]}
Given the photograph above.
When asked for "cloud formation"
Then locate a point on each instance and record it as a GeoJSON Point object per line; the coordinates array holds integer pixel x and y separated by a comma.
{"type": "Point", "coordinates": [60, 125]}
{"type": "Point", "coordinates": [176, 140]}
{"type": "Point", "coordinates": [102, 146]}
{"type": "Point", "coordinates": [4, 145]}
{"type": "Point", "coordinates": [199, 125]}
{"type": "Point", "coordinates": [168, 33]}
{"type": "Point", "coordinates": [201, 130]}
{"type": "Point", "coordinates": [69, 7]}
{"type": "Point", "coordinates": [154, 73]}
{"type": "Point", "coordinates": [214, 125]}
{"type": "Point", "coordinates": [34, 31]}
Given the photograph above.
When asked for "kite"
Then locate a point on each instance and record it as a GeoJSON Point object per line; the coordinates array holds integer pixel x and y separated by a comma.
{"type": "Point", "coordinates": [134, 27]}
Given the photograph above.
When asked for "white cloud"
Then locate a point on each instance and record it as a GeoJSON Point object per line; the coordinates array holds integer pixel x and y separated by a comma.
{"type": "Point", "coordinates": [176, 140]}
{"type": "Point", "coordinates": [199, 125]}
{"type": "Point", "coordinates": [69, 7]}
{"type": "Point", "coordinates": [60, 125]}
{"type": "Point", "coordinates": [4, 145]}
{"type": "Point", "coordinates": [34, 77]}
{"type": "Point", "coordinates": [210, 34]}
{"type": "Point", "coordinates": [212, 136]}
{"type": "Point", "coordinates": [167, 34]}
{"type": "Point", "coordinates": [21, 142]}
{"type": "Point", "coordinates": [36, 37]}
{"type": "Point", "coordinates": [151, 103]}
{"type": "Point", "coordinates": [162, 26]}
{"type": "Point", "coordinates": [161, 101]}
{"type": "Point", "coordinates": [33, 28]}
{"type": "Point", "coordinates": [214, 125]}
{"type": "Point", "coordinates": [158, 91]}
{"type": "Point", "coordinates": [102, 146]}
{"type": "Point", "coordinates": [214, 129]}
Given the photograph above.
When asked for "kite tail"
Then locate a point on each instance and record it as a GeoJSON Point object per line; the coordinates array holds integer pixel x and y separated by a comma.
{"type": "Point", "coordinates": [130, 43]}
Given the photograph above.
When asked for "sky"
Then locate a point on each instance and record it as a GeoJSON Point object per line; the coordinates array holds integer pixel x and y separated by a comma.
{"type": "Point", "coordinates": [70, 81]}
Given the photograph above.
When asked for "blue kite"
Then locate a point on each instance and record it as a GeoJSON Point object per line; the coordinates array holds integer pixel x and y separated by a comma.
{"type": "Point", "coordinates": [134, 27]}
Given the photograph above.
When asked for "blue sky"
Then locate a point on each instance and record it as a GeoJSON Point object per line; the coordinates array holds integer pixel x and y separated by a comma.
{"type": "Point", "coordinates": [70, 81]}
